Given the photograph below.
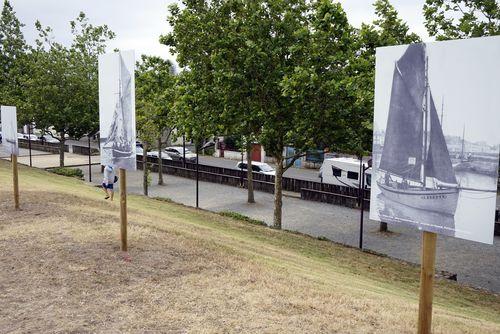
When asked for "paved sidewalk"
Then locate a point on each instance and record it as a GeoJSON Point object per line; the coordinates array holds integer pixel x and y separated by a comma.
{"type": "Point", "coordinates": [42, 159]}
{"type": "Point", "coordinates": [476, 264]}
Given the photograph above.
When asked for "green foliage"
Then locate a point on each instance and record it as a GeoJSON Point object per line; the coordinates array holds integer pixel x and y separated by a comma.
{"type": "Point", "coordinates": [70, 172]}
{"type": "Point", "coordinates": [457, 19]}
{"type": "Point", "coordinates": [63, 85]}
{"type": "Point", "coordinates": [155, 89]}
{"type": "Point", "coordinates": [13, 50]}
{"type": "Point", "coordinates": [387, 29]}
{"type": "Point", "coordinates": [240, 217]}
{"type": "Point", "coordinates": [163, 199]}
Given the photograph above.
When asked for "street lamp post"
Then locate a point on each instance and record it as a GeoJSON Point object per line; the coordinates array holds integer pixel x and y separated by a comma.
{"type": "Point", "coordinates": [362, 198]}
{"type": "Point", "coordinates": [90, 161]}
{"type": "Point", "coordinates": [207, 145]}
{"type": "Point", "coordinates": [184, 151]}
{"type": "Point", "coordinates": [29, 143]}
{"type": "Point", "coordinates": [241, 169]}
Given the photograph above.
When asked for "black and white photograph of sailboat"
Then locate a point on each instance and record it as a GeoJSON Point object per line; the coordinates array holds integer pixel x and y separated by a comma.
{"type": "Point", "coordinates": [424, 174]}
{"type": "Point", "coordinates": [415, 162]}
{"type": "Point", "coordinates": [117, 131]}
{"type": "Point", "coordinates": [8, 118]}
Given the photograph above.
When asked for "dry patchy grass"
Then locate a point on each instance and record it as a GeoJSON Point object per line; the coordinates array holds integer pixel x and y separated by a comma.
{"type": "Point", "coordinates": [190, 271]}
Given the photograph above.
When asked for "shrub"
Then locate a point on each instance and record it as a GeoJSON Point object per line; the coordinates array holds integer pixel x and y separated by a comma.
{"type": "Point", "coordinates": [239, 216]}
{"type": "Point", "coordinates": [70, 172]}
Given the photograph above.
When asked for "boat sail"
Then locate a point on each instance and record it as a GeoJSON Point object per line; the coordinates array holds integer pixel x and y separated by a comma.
{"type": "Point", "coordinates": [119, 141]}
{"type": "Point", "coordinates": [415, 162]}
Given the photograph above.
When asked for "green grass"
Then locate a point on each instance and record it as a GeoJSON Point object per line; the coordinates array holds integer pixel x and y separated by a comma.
{"type": "Point", "coordinates": [243, 218]}
{"type": "Point", "coordinates": [359, 291]}
{"type": "Point", "coordinates": [69, 172]}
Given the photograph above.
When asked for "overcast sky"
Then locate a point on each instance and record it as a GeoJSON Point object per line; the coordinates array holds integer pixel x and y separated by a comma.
{"type": "Point", "coordinates": [138, 24]}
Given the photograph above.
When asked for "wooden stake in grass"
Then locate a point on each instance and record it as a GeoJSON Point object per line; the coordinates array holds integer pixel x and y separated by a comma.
{"type": "Point", "coordinates": [426, 282]}
{"type": "Point", "coordinates": [123, 209]}
{"type": "Point", "coordinates": [15, 180]}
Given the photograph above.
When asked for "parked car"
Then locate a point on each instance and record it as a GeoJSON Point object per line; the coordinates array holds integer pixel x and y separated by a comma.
{"type": "Point", "coordinates": [176, 153]}
{"type": "Point", "coordinates": [257, 167]}
{"type": "Point", "coordinates": [20, 136]}
{"type": "Point", "coordinates": [32, 137]}
{"type": "Point", "coordinates": [343, 172]}
{"type": "Point", "coordinates": [139, 150]}
{"type": "Point", "coordinates": [154, 154]}
{"type": "Point", "coordinates": [48, 139]}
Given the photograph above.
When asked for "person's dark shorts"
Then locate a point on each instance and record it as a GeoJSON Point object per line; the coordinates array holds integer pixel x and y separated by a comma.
{"type": "Point", "coordinates": [108, 186]}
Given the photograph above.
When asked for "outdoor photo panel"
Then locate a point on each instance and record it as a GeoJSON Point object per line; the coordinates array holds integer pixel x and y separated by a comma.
{"type": "Point", "coordinates": [9, 129]}
{"type": "Point", "coordinates": [436, 137]}
{"type": "Point", "coordinates": [117, 109]}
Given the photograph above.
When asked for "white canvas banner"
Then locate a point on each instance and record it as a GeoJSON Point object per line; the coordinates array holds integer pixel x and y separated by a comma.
{"type": "Point", "coordinates": [436, 137]}
{"type": "Point", "coordinates": [9, 129]}
{"type": "Point", "coordinates": [117, 109]}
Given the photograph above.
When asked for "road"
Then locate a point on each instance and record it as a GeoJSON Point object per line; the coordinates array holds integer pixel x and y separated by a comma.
{"type": "Point", "coordinates": [297, 173]}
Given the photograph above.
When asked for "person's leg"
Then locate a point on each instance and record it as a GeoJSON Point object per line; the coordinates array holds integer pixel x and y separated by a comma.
{"type": "Point", "coordinates": [111, 191]}
{"type": "Point", "coordinates": [104, 188]}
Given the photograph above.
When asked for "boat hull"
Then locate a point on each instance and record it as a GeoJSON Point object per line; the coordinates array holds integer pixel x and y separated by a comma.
{"type": "Point", "coordinates": [443, 201]}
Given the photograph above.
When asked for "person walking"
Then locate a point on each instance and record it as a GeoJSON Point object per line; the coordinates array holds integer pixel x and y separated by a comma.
{"type": "Point", "coordinates": [108, 181]}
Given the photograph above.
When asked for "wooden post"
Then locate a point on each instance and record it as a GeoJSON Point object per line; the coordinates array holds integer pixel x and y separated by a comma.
{"type": "Point", "coordinates": [15, 180]}
{"type": "Point", "coordinates": [426, 282]}
{"type": "Point", "coordinates": [123, 209]}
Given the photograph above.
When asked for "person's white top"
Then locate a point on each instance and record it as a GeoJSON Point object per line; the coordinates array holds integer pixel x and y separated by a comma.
{"type": "Point", "coordinates": [109, 175]}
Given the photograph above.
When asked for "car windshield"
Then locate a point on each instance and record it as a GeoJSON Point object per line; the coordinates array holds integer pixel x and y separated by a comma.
{"type": "Point", "coordinates": [266, 168]}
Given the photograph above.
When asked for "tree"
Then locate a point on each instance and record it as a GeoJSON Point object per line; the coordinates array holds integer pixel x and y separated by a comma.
{"type": "Point", "coordinates": [269, 70]}
{"type": "Point", "coordinates": [155, 89]}
{"type": "Point", "coordinates": [387, 29]}
{"type": "Point", "coordinates": [13, 50]}
{"type": "Point", "coordinates": [315, 111]}
{"type": "Point", "coordinates": [457, 19]}
{"type": "Point", "coordinates": [63, 82]}
{"type": "Point", "coordinates": [197, 102]}
{"type": "Point", "coordinates": [147, 131]}
{"type": "Point", "coordinates": [219, 50]}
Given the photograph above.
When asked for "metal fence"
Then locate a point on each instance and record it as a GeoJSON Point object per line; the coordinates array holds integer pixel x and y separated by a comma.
{"type": "Point", "coordinates": [308, 190]}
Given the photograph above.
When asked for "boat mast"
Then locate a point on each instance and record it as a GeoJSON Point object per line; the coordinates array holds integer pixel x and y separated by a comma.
{"type": "Point", "coordinates": [425, 116]}
{"type": "Point", "coordinates": [442, 111]}
{"type": "Point", "coordinates": [463, 142]}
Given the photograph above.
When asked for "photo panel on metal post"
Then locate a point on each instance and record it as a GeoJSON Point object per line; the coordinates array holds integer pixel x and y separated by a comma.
{"type": "Point", "coordinates": [9, 129]}
{"type": "Point", "coordinates": [436, 137]}
{"type": "Point", "coordinates": [117, 109]}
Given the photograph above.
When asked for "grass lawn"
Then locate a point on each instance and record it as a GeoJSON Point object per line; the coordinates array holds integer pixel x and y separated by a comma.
{"type": "Point", "coordinates": [191, 271]}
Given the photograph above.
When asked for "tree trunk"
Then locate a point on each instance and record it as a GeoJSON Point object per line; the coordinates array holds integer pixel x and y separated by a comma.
{"type": "Point", "coordinates": [145, 169]}
{"type": "Point", "coordinates": [278, 196]}
{"type": "Point", "coordinates": [160, 164]}
{"type": "Point", "coordinates": [383, 227]}
{"type": "Point", "coordinates": [61, 151]}
{"type": "Point", "coordinates": [251, 198]}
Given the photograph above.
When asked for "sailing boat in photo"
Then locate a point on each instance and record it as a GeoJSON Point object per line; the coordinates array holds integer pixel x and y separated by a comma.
{"type": "Point", "coordinates": [119, 141]}
{"type": "Point", "coordinates": [415, 163]}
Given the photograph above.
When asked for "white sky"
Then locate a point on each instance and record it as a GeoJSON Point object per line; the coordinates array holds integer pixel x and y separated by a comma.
{"type": "Point", "coordinates": [138, 24]}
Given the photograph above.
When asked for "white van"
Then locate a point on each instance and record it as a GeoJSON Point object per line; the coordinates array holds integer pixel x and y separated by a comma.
{"type": "Point", "coordinates": [343, 172]}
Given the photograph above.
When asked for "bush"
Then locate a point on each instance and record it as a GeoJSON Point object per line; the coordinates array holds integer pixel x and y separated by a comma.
{"type": "Point", "coordinates": [239, 216]}
{"type": "Point", "coordinates": [70, 172]}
